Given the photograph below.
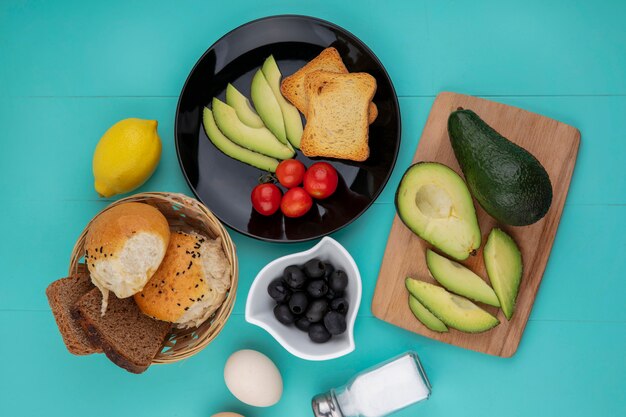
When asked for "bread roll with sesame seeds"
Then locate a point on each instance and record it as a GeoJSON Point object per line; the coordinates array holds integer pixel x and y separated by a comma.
{"type": "Point", "coordinates": [191, 282]}
{"type": "Point", "coordinates": [124, 246]}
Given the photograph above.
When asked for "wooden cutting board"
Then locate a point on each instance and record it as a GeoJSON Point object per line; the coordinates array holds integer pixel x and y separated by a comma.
{"type": "Point", "coordinates": [555, 145]}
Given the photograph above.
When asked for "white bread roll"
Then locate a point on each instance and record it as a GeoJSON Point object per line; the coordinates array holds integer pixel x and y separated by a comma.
{"type": "Point", "coordinates": [124, 246]}
{"type": "Point", "coordinates": [190, 284]}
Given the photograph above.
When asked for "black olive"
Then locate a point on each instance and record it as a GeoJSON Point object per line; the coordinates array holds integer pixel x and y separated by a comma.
{"type": "Point", "coordinates": [303, 324]}
{"type": "Point", "coordinates": [316, 310]}
{"type": "Point", "coordinates": [294, 277]}
{"type": "Point", "coordinates": [318, 333]}
{"type": "Point", "coordinates": [328, 269]}
{"type": "Point", "coordinates": [317, 288]}
{"type": "Point", "coordinates": [331, 294]}
{"type": "Point", "coordinates": [338, 281]}
{"type": "Point", "coordinates": [283, 314]}
{"type": "Point", "coordinates": [298, 302]}
{"type": "Point", "coordinates": [340, 305]}
{"type": "Point", "coordinates": [278, 290]}
{"type": "Point", "coordinates": [335, 322]}
{"type": "Point", "coordinates": [314, 268]}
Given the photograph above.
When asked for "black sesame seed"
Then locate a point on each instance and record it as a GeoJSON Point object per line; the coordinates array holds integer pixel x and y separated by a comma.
{"type": "Point", "coordinates": [186, 308]}
{"type": "Point", "coordinates": [177, 273]}
{"type": "Point", "coordinates": [190, 263]}
{"type": "Point", "coordinates": [178, 304]}
{"type": "Point", "coordinates": [100, 249]}
{"type": "Point", "coordinates": [143, 296]}
{"type": "Point", "coordinates": [160, 292]}
{"type": "Point", "coordinates": [93, 266]}
{"type": "Point", "coordinates": [183, 272]}
{"type": "Point", "coordinates": [197, 285]}
{"type": "Point", "coordinates": [201, 280]}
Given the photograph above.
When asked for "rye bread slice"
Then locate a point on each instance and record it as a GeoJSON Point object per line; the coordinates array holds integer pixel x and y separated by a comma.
{"type": "Point", "coordinates": [62, 295]}
{"type": "Point", "coordinates": [337, 126]}
{"type": "Point", "coordinates": [128, 337]}
{"type": "Point", "coordinates": [294, 86]}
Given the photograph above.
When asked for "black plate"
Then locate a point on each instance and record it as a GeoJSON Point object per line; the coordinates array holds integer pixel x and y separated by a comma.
{"type": "Point", "coordinates": [224, 184]}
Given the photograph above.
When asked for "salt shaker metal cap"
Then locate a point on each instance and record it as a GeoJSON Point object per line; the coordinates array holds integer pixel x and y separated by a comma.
{"type": "Point", "coordinates": [325, 405]}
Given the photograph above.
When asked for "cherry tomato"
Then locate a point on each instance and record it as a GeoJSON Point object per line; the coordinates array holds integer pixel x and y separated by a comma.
{"type": "Point", "coordinates": [320, 180]}
{"type": "Point", "coordinates": [290, 173]}
{"type": "Point", "coordinates": [266, 198]}
{"type": "Point", "coordinates": [296, 202]}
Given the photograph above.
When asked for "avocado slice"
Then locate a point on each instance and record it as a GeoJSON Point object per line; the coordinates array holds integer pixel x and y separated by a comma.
{"type": "Point", "coordinates": [267, 106]}
{"type": "Point", "coordinates": [508, 182]}
{"type": "Point", "coordinates": [233, 150]}
{"type": "Point", "coordinates": [456, 278]}
{"type": "Point", "coordinates": [242, 107]}
{"type": "Point", "coordinates": [455, 311]}
{"type": "Point", "coordinates": [427, 318]}
{"type": "Point", "coordinates": [291, 115]}
{"type": "Point", "coordinates": [433, 201]}
{"type": "Point", "coordinates": [504, 267]}
{"type": "Point", "coordinates": [257, 140]}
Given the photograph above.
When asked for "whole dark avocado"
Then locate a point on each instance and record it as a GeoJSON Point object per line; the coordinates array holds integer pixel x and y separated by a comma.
{"type": "Point", "coordinates": [507, 180]}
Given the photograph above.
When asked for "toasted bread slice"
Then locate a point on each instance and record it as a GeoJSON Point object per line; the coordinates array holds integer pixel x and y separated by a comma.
{"type": "Point", "coordinates": [293, 87]}
{"type": "Point", "coordinates": [337, 126]}
{"type": "Point", "coordinates": [62, 295]}
{"type": "Point", "coordinates": [128, 337]}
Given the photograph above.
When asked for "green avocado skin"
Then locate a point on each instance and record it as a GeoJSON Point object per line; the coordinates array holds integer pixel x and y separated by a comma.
{"type": "Point", "coordinates": [508, 182]}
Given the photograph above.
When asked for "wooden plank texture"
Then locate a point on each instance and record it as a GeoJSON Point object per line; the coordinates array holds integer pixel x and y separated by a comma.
{"type": "Point", "coordinates": [555, 145]}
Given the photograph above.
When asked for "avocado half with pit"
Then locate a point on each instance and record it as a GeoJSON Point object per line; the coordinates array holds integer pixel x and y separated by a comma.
{"type": "Point", "coordinates": [242, 107]}
{"type": "Point", "coordinates": [233, 150]}
{"type": "Point", "coordinates": [259, 140]}
{"type": "Point", "coordinates": [267, 106]}
{"type": "Point", "coordinates": [291, 115]}
{"type": "Point", "coordinates": [433, 201]}
{"type": "Point", "coordinates": [453, 310]}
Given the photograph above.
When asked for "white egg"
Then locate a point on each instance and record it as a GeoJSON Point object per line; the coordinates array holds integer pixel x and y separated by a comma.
{"type": "Point", "coordinates": [253, 378]}
{"type": "Point", "coordinates": [227, 414]}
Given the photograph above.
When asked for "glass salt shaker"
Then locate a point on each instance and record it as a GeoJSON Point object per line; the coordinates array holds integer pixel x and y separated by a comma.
{"type": "Point", "coordinates": [378, 391]}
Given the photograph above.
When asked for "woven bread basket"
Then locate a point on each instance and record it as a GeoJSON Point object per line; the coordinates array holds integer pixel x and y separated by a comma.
{"type": "Point", "coordinates": [186, 214]}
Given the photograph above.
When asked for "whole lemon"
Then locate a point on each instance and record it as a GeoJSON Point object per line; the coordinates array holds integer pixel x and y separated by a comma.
{"type": "Point", "coordinates": [126, 156]}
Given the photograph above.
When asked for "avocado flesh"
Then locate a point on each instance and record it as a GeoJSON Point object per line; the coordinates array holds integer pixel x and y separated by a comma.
{"type": "Point", "coordinates": [454, 311]}
{"type": "Point", "coordinates": [257, 140]}
{"type": "Point", "coordinates": [508, 182]}
{"type": "Point", "coordinates": [425, 317]}
{"type": "Point", "coordinates": [233, 150]}
{"type": "Point", "coordinates": [267, 106]}
{"type": "Point", "coordinates": [242, 107]}
{"type": "Point", "coordinates": [504, 267]}
{"type": "Point", "coordinates": [433, 202]}
{"type": "Point", "coordinates": [457, 278]}
{"type": "Point", "coordinates": [291, 115]}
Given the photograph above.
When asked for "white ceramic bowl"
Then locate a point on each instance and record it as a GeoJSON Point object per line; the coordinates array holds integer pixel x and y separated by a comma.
{"type": "Point", "coordinates": [259, 306]}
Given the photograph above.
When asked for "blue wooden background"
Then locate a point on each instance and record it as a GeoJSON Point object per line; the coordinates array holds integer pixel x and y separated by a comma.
{"type": "Point", "coordinates": [70, 69]}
